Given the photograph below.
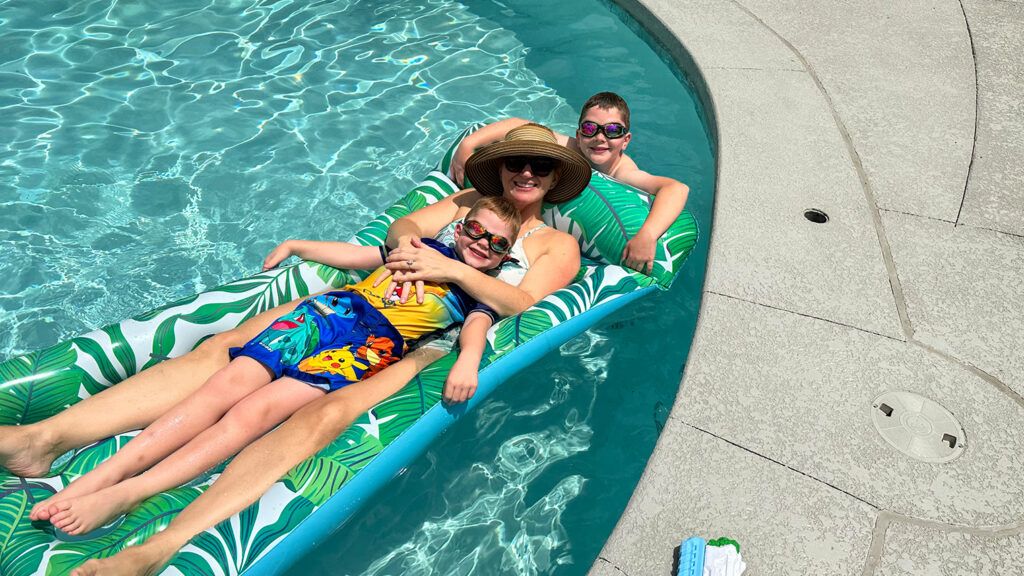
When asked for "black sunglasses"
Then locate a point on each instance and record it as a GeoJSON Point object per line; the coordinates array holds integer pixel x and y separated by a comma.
{"type": "Point", "coordinates": [611, 130]}
{"type": "Point", "coordinates": [539, 165]}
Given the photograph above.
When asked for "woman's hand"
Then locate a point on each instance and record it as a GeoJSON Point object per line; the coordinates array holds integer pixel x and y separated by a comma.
{"type": "Point", "coordinates": [277, 255]}
{"type": "Point", "coordinates": [461, 383]}
{"type": "Point", "coordinates": [395, 277]}
{"type": "Point", "coordinates": [639, 252]}
{"type": "Point", "coordinates": [418, 263]}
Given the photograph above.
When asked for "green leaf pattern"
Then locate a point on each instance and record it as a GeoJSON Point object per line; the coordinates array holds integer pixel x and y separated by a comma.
{"type": "Point", "coordinates": [41, 384]}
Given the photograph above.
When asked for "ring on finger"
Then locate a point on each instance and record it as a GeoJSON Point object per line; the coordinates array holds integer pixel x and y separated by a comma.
{"type": "Point", "coordinates": [410, 262]}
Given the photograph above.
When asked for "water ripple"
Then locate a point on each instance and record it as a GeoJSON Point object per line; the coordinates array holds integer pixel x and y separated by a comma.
{"type": "Point", "coordinates": [509, 527]}
{"type": "Point", "coordinates": [149, 150]}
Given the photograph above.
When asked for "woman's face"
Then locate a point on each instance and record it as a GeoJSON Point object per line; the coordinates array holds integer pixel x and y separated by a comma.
{"type": "Point", "coordinates": [521, 182]}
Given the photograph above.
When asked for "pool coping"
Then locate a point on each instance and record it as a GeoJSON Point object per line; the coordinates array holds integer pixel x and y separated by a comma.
{"type": "Point", "coordinates": [770, 439]}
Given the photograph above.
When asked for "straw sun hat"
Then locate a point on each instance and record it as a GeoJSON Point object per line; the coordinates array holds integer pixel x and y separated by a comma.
{"type": "Point", "coordinates": [484, 167]}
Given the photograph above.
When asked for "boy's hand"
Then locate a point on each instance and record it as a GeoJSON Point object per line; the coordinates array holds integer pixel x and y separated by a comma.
{"type": "Point", "coordinates": [639, 252]}
{"type": "Point", "coordinates": [461, 383]}
{"type": "Point", "coordinates": [277, 255]}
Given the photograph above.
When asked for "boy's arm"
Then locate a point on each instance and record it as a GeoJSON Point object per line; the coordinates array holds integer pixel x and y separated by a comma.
{"type": "Point", "coordinates": [669, 199]}
{"type": "Point", "coordinates": [490, 133]}
{"type": "Point", "coordinates": [462, 380]}
{"type": "Point", "coordinates": [336, 254]}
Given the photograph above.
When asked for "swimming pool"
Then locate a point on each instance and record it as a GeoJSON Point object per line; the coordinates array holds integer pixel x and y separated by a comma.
{"type": "Point", "coordinates": [148, 157]}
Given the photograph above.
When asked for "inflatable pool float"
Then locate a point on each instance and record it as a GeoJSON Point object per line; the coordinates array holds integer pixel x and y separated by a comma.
{"type": "Point", "coordinates": [314, 498]}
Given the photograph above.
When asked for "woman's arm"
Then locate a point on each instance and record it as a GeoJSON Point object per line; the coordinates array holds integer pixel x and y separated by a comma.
{"type": "Point", "coordinates": [425, 222]}
{"type": "Point", "coordinates": [554, 261]}
{"type": "Point", "coordinates": [429, 220]}
{"type": "Point", "coordinates": [418, 263]}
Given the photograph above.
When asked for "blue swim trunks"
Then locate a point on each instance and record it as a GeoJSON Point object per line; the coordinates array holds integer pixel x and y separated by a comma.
{"type": "Point", "coordinates": [328, 341]}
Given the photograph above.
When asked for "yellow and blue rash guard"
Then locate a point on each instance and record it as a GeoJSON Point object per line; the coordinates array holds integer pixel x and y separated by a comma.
{"type": "Point", "coordinates": [334, 339]}
{"type": "Point", "coordinates": [443, 304]}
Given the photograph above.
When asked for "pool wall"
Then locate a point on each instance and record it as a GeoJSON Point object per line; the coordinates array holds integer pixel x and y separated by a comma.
{"type": "Point", "coordinates": [901, 122]}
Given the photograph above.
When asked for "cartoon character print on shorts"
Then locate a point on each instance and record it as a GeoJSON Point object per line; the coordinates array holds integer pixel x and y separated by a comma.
{"type": "Point", "coordinates": [378, 352]}
{"type": "Point", "coordinates": [295, 335]}
{"type": "Point", "coordinates": [372, 357]}
{"type": "Point", "coordinates": [334, 361]}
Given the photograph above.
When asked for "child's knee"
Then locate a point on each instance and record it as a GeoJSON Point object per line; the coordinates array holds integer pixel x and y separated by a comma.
{"type": "Point", "coordinates": [226, 382]}
{"type": "Point", "coordinates": [249, 418]}
{"type": "Point", "coordinates": [330, 416]}
{"type": "Point", "coordinates": [215, 348]}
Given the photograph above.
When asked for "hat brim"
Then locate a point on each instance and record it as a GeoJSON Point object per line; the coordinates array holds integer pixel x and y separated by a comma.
{"type": "Point", "coordinates": [484, 167]}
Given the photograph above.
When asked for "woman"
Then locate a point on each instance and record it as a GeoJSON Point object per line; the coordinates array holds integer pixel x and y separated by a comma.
{"type": "Point", "coordinates": [528, 167]}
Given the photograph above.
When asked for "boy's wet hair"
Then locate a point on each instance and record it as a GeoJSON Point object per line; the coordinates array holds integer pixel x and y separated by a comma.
{"type": "Point", "coordinates": [606, 101]}
{"type": "Point", "coordinates": [503, 209]}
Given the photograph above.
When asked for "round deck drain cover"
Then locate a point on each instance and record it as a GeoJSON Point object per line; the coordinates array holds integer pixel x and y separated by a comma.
{"type": "Point", "coordinates": [918, 427]}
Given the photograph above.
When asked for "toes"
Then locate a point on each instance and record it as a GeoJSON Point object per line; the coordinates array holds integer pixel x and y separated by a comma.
{"type": "Point", "coordinates": [76, 529]}
{"type": "Point", "coordinates": [34, 514]}
{"type": "Point", "coordinates": [57, 507]}
{"type": "Point", "coordinates": [40, 511]}
{"type": "Point", "coordinates": [46, 509]}
{"type": "Point", "coordinates": [62, 519]}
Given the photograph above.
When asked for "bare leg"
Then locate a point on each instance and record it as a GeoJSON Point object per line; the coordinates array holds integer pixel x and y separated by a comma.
{"type": "Point", "coordinates": [184, 421]}
{"type": "Point", "coordinates": [246, 421]}
{"type": "Point", "coordinates": [135, 403]}
{"type": "Point", "coordinates": [261, 464]}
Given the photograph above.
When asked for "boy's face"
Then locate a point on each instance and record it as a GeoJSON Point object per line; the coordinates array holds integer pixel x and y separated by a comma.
{"type": "Point", "coordinates": [477, 252]}
{"type": "Point", "coordinates": [599, 149]}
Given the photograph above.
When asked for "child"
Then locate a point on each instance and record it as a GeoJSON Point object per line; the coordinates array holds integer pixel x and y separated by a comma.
{"type": "Point", "coordinates": [327, 342]}
{"type": "Point", "coordinates": [602, 137]}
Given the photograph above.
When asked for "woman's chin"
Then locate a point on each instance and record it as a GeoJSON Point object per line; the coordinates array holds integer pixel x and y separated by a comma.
{"type": "Point", "coordinates": [524, 196]}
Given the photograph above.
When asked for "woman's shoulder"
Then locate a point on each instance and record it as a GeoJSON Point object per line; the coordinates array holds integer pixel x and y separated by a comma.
{"type": "Point", "coordinates": [548, 233]}
{"type": "Point", "coordinates": [547, 240]}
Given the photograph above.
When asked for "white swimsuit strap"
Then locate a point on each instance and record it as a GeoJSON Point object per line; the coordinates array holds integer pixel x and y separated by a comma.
{"type": "Point", "coordinates": [532, 230]}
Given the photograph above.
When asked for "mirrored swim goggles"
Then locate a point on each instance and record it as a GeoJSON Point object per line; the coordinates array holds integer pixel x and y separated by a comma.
{"type": "Point", "coordinates": [539, 165]}
{"type": "Point", "coordinates": [611, 130]}
{"type": "Point", "coordinates": [476, 231]}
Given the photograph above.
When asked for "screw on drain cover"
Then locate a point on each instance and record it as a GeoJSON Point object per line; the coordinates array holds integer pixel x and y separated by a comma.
{"type": "Point", "coordinates": [918, 427]}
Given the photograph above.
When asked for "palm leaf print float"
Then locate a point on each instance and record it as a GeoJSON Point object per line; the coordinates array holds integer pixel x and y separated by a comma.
{"type": "Point", "coordinates": [321, 492]}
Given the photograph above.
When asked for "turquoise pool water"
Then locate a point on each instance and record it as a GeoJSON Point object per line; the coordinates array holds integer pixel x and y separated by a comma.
{"type": "Point", "coordinates": [151, 151]}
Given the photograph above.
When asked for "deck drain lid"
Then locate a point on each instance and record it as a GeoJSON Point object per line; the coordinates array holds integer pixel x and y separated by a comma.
{"type": "Point", "coordinates": [816, 216]}
{"type": "Point", "coordinates": [918, 427]}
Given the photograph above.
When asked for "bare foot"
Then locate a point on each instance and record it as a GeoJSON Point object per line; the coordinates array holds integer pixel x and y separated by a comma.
{"type": "Point", "coordinates": [41, 511]}
{"type": "Point", "coordinates": [26, 451]}
{"type": "Point", "coordinates": [84, 514]}
{"type": "Point", "coordinates": [135, 561]}
{"type": "Point", "coordinates": [90, 483]}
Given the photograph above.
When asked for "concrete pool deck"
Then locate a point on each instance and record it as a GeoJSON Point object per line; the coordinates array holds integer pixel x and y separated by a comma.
{"type": "Point", "coordinates": [904, 122]}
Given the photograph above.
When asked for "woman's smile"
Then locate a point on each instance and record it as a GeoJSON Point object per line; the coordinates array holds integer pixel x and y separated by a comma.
{"type": "Point", "coordinates": [524, 185]}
